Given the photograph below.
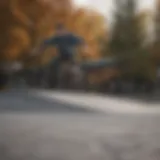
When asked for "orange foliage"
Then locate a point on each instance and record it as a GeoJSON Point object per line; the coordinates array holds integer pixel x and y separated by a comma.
{"type": "Point", "coordinates": [27, 23]}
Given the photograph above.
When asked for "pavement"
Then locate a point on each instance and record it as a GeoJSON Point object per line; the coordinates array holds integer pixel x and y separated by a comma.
{"type": "Point", "coordinates": [101, 102]}
{"type": "Point", "coordinates": [47, 125]}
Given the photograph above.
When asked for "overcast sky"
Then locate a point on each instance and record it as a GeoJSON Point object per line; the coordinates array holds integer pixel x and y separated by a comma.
{"type": "Point", "coordinates": [105, 6]}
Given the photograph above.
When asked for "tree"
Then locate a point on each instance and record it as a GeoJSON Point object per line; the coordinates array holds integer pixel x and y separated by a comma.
{"type": "Point", "coordinates": [80, 21]}
{"type": "Point", "coordinates": [156, 44]}
{"type": "Point", "coordinates": [27, 23]}
{"type": "Point", "coordinates": [91, 26]}
{"type": "Point", "coordinates": [127, 39]}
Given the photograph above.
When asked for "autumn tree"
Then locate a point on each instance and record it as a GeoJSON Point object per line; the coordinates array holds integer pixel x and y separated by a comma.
{"type": "Point", "coordinates": [18, 28]}
{"type": "Point", "coordinates": [27, 23]}
{"type": "Point", "coordinates": [86, 23]}
{"type": "Point", "coordinates": [91, 26]}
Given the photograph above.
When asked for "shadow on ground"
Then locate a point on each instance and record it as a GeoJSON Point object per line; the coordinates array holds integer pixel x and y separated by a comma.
{"type": "Point", "coordinates": [22, 100]}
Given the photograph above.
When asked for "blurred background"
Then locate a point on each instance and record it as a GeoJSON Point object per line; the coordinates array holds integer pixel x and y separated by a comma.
{"type": "Point", "coordinates": [123, 38]}
{"type": "Point", "coordinates": [91, 116]}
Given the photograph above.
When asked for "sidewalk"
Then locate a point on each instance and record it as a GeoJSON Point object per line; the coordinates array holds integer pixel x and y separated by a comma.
{"type": "Point", "coordinates": [153, 98]}
{"type": "Point", "coordinates": [101, 102]}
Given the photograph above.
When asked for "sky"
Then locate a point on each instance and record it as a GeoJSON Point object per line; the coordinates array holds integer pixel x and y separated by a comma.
{"type": "Point", "coordinates": [106, 6]}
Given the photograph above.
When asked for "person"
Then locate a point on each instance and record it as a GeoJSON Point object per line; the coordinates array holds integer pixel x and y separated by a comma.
{"type": "Point", "coordinates": [66, 44]}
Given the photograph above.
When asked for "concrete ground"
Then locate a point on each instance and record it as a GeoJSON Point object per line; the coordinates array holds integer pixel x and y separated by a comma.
{"type": "Point", "coordinates": [43, 125]}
